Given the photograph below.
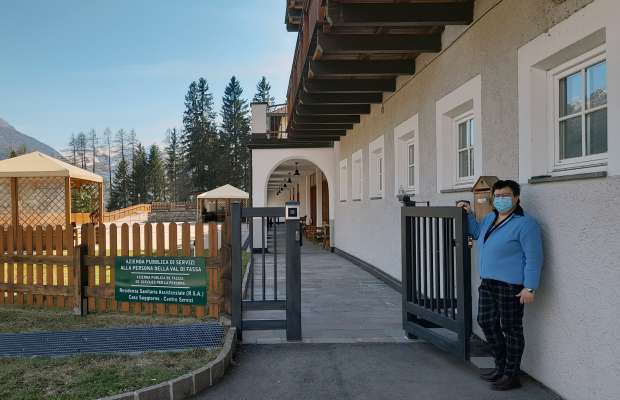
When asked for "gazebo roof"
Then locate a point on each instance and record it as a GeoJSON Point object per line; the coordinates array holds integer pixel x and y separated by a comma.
{"type": "Point", "coordinates": [37, 164]}
{"type": "Point", "coordinates": [224, 192]}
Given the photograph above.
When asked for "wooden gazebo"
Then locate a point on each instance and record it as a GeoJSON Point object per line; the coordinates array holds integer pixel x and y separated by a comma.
{"type": "Point", "coordinates": [215, 204]}
{"type": "Point", "coordinates": [36, 189]}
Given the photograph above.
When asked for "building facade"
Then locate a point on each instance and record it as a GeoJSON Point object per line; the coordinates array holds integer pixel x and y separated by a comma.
{"type": "Point", "coordinates": [526, 90]}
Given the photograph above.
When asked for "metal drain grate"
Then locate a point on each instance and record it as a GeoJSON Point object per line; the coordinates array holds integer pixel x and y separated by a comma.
{"type": "Point", "coordinates": [118, 340]}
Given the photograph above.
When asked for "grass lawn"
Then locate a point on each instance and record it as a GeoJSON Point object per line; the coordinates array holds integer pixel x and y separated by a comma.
{"type": "Point", "coordinates": [92, 376]}
{"type": "Point", "coordinates": [26, 319]}
{"type": "Point", "coordinates": [87, 376]}
{"type": "Point", "coordinates": [245, 259]}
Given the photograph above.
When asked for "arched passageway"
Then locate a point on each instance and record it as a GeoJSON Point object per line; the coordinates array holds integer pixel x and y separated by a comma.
{"type": "Point", "coordinates": [301, 180]}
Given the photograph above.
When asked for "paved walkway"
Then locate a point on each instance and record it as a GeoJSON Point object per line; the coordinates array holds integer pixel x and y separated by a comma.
{"type": "Point", "coordinates": [373, 371]}
{"type": "Point", "coordinates": [341, 303]}
{"type": "Point", "coordinates": [354, 346]}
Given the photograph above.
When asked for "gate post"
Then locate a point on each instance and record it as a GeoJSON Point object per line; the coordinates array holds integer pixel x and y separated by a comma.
{"type": "Point", "coordinates": [293, 278]}
{"type": "Point", "coordinates": [80, 271]}
{"type": "Point", "coordinates": [236, 268]}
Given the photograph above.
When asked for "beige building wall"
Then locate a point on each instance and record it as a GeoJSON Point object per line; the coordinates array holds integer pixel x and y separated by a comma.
{"type": "Point", "coordinates": [572, 331]}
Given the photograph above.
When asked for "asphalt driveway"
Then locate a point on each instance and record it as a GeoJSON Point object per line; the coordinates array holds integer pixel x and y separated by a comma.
{"type": "Point", "coordinates": [357, 371]}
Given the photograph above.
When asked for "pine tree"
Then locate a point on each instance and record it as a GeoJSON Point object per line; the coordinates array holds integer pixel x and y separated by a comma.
{"type": "Point", "coordinates": [235, 134]}
{"type": "Point", "coordinates": [119, 196]}
{"type": "Point", "coordinates": [139, 176]}
{"type": "Point", "coordinates": [121, 142]}
{"type": "Point", "coordinates": [199, 138]}
{"type": "Point", "coordinates": [173, 163]}
{"type": "Point", "coordinates": [262, 92]}
{"type": "Point", "coordinates": [156, 175]}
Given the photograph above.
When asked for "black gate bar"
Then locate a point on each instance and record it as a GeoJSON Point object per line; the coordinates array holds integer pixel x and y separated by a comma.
{"type": "Point", "coordinates": [435, 264]}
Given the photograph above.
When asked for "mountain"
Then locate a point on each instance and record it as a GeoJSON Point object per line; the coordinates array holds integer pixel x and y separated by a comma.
{"type": "Point", "coordinates": [12, 139]}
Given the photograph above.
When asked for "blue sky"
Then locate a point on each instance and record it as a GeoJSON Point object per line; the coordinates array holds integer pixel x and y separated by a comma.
{"type": "Point", "coordinates": [72, 65]}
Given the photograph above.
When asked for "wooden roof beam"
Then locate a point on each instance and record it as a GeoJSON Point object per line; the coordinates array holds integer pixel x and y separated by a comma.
{"type": "Point", "coordinates": [377, 44]}
{"type": "Point", "coordinates": [360, 68]}
{"type": "Point", "coordinates": [327, 132]}
{"type": "Point", "coordinates": [349, 85]}
{"type": "Point", "coordinates": [321, 127]}
{"type": "Point", "coordinates": [400, 14]}
{"type": "Point", "coordinates": [305, 138]}
{"type": "Point", "coordinates": [340, 98]}
{"type": "Point", "coordinates": [326, 119]}
{"type": "Point", "coordinates": [340, 109]}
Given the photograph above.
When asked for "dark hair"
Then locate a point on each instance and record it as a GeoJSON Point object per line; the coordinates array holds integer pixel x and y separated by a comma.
{"type": "Point", "coordinates": [514, 186]}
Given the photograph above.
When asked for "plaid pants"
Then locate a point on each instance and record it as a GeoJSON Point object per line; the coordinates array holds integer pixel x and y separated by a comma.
{"type": "Point", "coordinates": [500, 315]}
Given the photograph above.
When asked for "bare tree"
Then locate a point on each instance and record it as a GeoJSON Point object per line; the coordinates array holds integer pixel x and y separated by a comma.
{"type": "Point", "coordinates": [93, 141]}
{"type": "Point", "coordinates": [73, 148]}
{"type": "Point", "coordinates": [121, 141]}
{"type": "Point", "coordinates": [107, 137]}
{"type": "Point", "coordinates": [82, 148]}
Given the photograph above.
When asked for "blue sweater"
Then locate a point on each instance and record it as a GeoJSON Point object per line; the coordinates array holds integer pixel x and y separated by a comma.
{"type": "Point", "coordinates": [512, 253]}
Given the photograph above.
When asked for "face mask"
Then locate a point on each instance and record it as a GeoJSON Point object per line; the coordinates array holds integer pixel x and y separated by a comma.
{"type": "Point", "coordinates": [502, 204]}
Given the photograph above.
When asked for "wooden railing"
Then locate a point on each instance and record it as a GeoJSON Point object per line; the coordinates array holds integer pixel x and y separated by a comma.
{"type": "Point", "coordinates": [314, 14]}
{"type": "Point", "coordinates": [115, 215]}
{"type": "Point", "coordinates": [173, 206]}
{"type": "Point", "coordinates": [111, 216]}
{"type": "Point", "coordinates": [40, 267]}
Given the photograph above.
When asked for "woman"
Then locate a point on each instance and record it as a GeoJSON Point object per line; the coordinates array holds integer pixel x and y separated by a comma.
{"type": "Point", "coordinates": [511, 257]}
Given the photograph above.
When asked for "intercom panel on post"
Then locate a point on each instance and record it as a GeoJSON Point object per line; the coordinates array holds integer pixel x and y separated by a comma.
{"type": "Point", "coordinates": [292, 210]}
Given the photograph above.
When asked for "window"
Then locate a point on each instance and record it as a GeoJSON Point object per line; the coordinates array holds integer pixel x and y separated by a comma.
{"type": "Point", "coordinates": [565, 128]}
{"type": "Point", "coordinates": [465, 148]}
{"type": "Point", "coordinates": [406, 155]}
{"type": "Point", "coordinates": [343, 180]}
{"type": "Point", "coordinates": [580, 118]}
{"type": "Point", "coordinates": [410, 165]}
{"type": "Point", "coordinates": [379, 174]}
{"type": "Point", "coordinates": [356, 176]}
{"type": "Point", "coordinates": [376, 169]}
{"type": "Point", "coordinates": [459, 137]}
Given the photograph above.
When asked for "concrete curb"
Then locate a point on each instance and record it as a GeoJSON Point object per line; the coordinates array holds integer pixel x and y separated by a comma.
{"type": "Point", "coordinates": [190, 384]}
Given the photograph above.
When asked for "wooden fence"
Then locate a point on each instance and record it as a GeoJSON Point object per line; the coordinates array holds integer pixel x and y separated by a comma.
{"type": "Point", "coordinates": [40, 266]}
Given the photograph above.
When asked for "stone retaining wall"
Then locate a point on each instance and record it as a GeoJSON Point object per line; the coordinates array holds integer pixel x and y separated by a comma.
{"type": "Point", "coordinates": [191, 383]}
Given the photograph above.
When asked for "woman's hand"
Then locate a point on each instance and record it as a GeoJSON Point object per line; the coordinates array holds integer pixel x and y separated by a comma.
{"type": "Point", "coordinates": [464, 205]}
{"type": "Point", "coordinates": [526, 297]}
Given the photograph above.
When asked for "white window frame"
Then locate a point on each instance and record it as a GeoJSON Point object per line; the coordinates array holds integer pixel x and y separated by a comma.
{"type": "Point", "coordinates": [470, 148]}
{"type": "Point", "coordinates": [343, 177]}
{"type": "Point", "coordinates": [357, 176]}
{"type": "Point", "coordinates": [376, 169]}
{"type": "Point", "coordinates": [555, 75]}
{"type": "Point", "coordinates": [464, 101]}
{"type": "Point", "coordinates": [405, 135]}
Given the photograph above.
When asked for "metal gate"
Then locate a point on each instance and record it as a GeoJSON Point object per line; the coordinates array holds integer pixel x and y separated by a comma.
{"type": "Point", "coordinates": [436, 277]}
{"type": "Point", "coordinates": [266, 289]}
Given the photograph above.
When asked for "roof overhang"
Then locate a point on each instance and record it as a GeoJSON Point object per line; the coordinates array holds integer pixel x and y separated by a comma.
{"type": "Point", "coordinates": [350, 52]}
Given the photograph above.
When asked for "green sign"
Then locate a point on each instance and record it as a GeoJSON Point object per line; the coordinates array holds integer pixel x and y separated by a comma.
{"type": "Point", "coordinates": [174, 280]}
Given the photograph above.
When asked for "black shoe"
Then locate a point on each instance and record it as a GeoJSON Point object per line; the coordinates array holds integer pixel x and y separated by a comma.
{"type": "Point", "coordinates": [492, 375]}
{"type": "Point", "coordinates": [506, 383]}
